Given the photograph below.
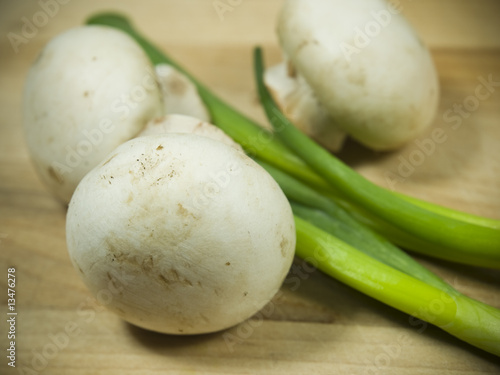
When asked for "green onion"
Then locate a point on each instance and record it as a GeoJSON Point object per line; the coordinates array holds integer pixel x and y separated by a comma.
{"type": "Point", "coordinates": [467, 319]}
{"type": "Point", "coordinates": [453, 214]}
{"type": "Point", "coordinates": [259, 142]}
{"type": "Point", "coordinates": [343, 248]}
{"type": "Point", "coordinates": [343, 203]}
{"type": "Point", "coordinates": [457, 239]}
{"type": "Point", "coordinates": [332, 218]}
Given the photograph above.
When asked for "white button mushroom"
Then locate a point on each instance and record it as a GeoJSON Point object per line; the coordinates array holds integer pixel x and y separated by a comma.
{"type": "Point", "coordinates": [182, 233]}
{"type": "Point", "coordinates": [365, 65]}
{"type": "Point", "coordinates": [180, 95]}
{"type": "Point", "coordinates": [91, 89]}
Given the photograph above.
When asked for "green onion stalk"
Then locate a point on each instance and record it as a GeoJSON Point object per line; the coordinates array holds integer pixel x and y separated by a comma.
{"type": "Point", "coordinates": [348, 227]}
{"type": "Point", "coordinates": [467, 319]}
{"type": "Point", "coordinates": [332, 240]}
{"type": "Point", "coordinates": [457, 238]}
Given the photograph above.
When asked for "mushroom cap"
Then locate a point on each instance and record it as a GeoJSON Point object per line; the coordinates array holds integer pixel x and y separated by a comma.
{"type": "Point", "coordinates": [182, 234]}
{"type": "Point", "coordinates": [187, 124]}
{"type": "Point", "coordinates": [180, 95]}
{"type": "Point", "coordinates": [90, 89]}
{"type": "Point", "coordinates": [366, 65]}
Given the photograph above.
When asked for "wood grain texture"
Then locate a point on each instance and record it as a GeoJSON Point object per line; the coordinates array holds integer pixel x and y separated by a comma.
{"type": "Point", "coordinates": [315, 325]}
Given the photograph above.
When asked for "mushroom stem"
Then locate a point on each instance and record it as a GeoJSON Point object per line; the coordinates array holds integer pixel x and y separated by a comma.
{"type": "Point", "coordinates": [298, 102]}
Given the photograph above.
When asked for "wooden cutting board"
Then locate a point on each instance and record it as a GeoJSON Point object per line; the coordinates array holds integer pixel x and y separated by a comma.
{"type": "Point", "coordinates": [317, 325]}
